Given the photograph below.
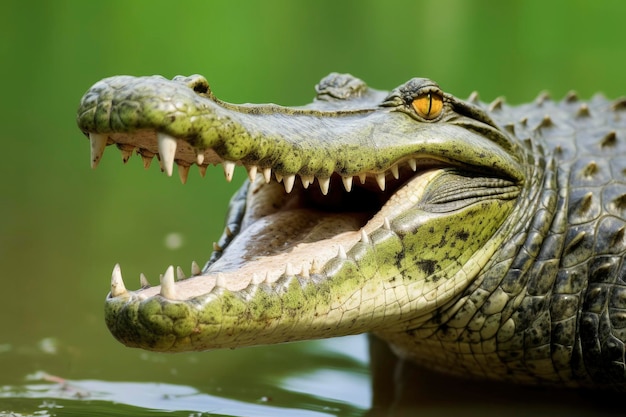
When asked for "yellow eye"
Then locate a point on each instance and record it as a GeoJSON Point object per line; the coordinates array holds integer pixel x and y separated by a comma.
{"type": "Point", "coordinates": [428, 105]}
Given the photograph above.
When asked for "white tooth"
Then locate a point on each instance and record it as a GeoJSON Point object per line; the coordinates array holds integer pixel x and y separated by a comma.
{"type": "Point", "coordinates": [315, 267]}
{"type": "Point", "coordinates": [98, 142]}
{"type": "Point", "coordinates": [288, 182]}
{"type": "Point", "coordinates": [117, 283]}
{"type": "Point", "coordinates": [229, 169]}
{"type": "Point", "coordinates": [347, 183]}
{"type": "Point", "coordinates": [413, 164]}
{"type": "Point", "coordinates": [380, 179]}
{"type": "Point", "coordinates": [267, 174]}
{"type": "Point", "coordinates": [202, 169]}
{"type": "Point", "coordinates": [362, 177]}
{"type": "Point", "coordinates": [394, 172]}
{"type": "Point", "coordinates": [252, 170]}
{"type": "Point", "coordinates": [278, 176]}
{"type": "Point", "coordinates": [228, 232]}
{"type": "Point", "coordinates": [324, 184]}
{"type": "Point", "coordinates": [341, 253]}
{"type": "Point", "coordinates": [220, 281]}
{"type": "Point", "coordinates": [168, 289]}
{"type": "Point", "coordinates": [167, 150]}
{"type": "Point", "coordinates": [364, 237]}
{"type": "Point", "coordinates": [305, 272]}
{"type": "Point", "coordinates": [289, 270]}
{"type": "Point", "coordinates": [179, 273]}
{"type": "Point", "coordinates": [195, 268]}
{"type": "Point", "coordinates": [143, 281]}
{"type": "Point", "coordinates": [199, 157]}
{"type": "Point", "coordinates": [306, 180]}
{"type": "Point", "coordinates": [183, 173]}
{"type": "Point", "coordinates": [386, 223]}
{"type": "Point", "coordinates": [126, 153]}
{"type": "Point", "coordinates": [147, 160]}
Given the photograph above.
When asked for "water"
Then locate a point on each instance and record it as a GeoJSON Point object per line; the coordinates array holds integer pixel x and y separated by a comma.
{"type": "Point", "coordinates": [63, 226]}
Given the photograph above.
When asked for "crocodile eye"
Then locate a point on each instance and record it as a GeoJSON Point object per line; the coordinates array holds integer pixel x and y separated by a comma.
{"type": "Point", "coordinates": [428, 105]}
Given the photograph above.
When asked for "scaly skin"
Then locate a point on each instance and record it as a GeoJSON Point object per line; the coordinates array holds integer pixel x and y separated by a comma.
{"type": "Point", "coordinates": [481, 240]}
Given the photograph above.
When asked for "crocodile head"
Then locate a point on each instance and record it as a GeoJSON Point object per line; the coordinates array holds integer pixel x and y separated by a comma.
{"type": "Point", "coordinates": [365, 211]}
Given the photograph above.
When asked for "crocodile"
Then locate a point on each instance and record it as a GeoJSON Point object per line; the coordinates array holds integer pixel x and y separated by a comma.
{"type": "Point", "coordinates": [485, 240]}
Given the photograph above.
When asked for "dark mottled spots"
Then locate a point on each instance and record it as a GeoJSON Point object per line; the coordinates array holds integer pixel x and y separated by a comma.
{"type": "Point", "coordinates": [583, 111]}
{"type": "Point", "coordinates": [618, 236]}
{"type": "Point", "coordinates": [609, 140]}
{"type": "Point", "coordinates": [585, 203]}
{"type": "Point", "coordinates": [573, 244]}
{"type": "Point", "coordinates": [546, 122]}
{"type": "Point", "coordinates": [571, 97]}
{"type": "Point", "coordinates": [619, 104]}
{"type": "Point", "coordinates": [590, 169]}
{"type": "Point", "coordinates": [462, 235]}
{"type": "Point", "coordinates": [427, 265]}
{"type": "Point", "coordinates": [620, 202]}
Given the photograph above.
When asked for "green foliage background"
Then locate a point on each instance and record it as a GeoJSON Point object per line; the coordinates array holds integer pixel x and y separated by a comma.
{"type": "Point", "coordinates": [62, 226]}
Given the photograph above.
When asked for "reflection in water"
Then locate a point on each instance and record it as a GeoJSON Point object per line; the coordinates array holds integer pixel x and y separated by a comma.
{"type": "Point", "coordinates": [336, 377]}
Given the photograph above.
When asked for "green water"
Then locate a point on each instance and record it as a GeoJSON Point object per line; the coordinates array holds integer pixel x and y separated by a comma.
{"type": "Point", "coordinates": [64, 226]}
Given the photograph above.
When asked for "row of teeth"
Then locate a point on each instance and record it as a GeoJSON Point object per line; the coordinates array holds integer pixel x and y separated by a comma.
{"type": "Point", "coordinates": [167, 151]}
{"type": "Point", "coordinates": [169, 278]}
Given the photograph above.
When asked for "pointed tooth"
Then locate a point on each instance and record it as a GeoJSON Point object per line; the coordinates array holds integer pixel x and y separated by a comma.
{"type": "Point", "coordinates": [167, 150]}
{"type": "Point", "coordinates": [267, 278]}
{"type": "Point", "coordinates": [117, 283]}
{"type": "Point", "coordinates": [347, 183]}
{"type": "Point", "coordinates": [168, 289]}
{"type": "Point", "coordinates": [362, 177]}
{"type": "Point", "coordinates": [315, 267]}
{"type": "Point", "coordinates": [252, 171]}
{"type": "Point", "coordinates": [395, 172]}
{"type": "Point", "coordinates": [341, 253]}
{"type": "Point", "coordinates": [380, 179]}
{"type": "Point", "coordinates": [267, 174]}
{"type": "Point", "coordinates": [324, 184]}
{"type": "Point", "coordinates": [143, 281]}
{"type": "Point", "coordinates": [180, 274]}
{"type": "Point", "coordinates": [386, 223]}
{"type": "Point", "coordinates": [364, 237]}
{"type": "Point", "coordinates": [305, 272]}
{"type": "Point", "coordinates": [147, 160]}
{"type": "Point", "coordinates": [98, 142]}
{"type": "Point", "coordinates": [127, 152]}
{"type": "Point", "coordinates": [228, 231]}
{"type": "Point", "coordinates": [216, 247]}
{"type": "Point", "coordinates": [229, 169]}
{"type": "Point", "coordinates": [289, 270]}
{"type": "Point", "coordinates": [199, 156]}
{"type": "Point", "coordinates": [183, 173]}
{"type": "Point", "coordinates": [220, 281]}
{"type": "Point", "coordinates": [195, 268]}
{"type": "Point", "coordinates": [307, 180]}
{"type": "Point", "coordinates": [288, 182]}
{"type": "Point", "coordinates": [202, 169]}
{"type": "Point", "coordinates": [278, 176]}
{"type": "Point", "coordinates": [413, 164]}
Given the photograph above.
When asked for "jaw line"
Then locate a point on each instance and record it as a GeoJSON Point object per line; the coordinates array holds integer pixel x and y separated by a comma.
{"type": "Point", "coordinates": [302, 260]}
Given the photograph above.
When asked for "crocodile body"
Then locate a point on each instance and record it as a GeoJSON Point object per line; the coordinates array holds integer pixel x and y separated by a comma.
{"type": "Point", "coordinates": [484, 240]}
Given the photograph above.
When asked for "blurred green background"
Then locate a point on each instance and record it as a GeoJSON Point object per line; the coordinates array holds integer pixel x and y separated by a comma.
{"type": "Point", "coordinates": [63, 226]}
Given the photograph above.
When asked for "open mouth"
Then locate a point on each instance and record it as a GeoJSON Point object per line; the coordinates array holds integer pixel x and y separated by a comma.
{"type": "Point", "coordinates": [277, 227]}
